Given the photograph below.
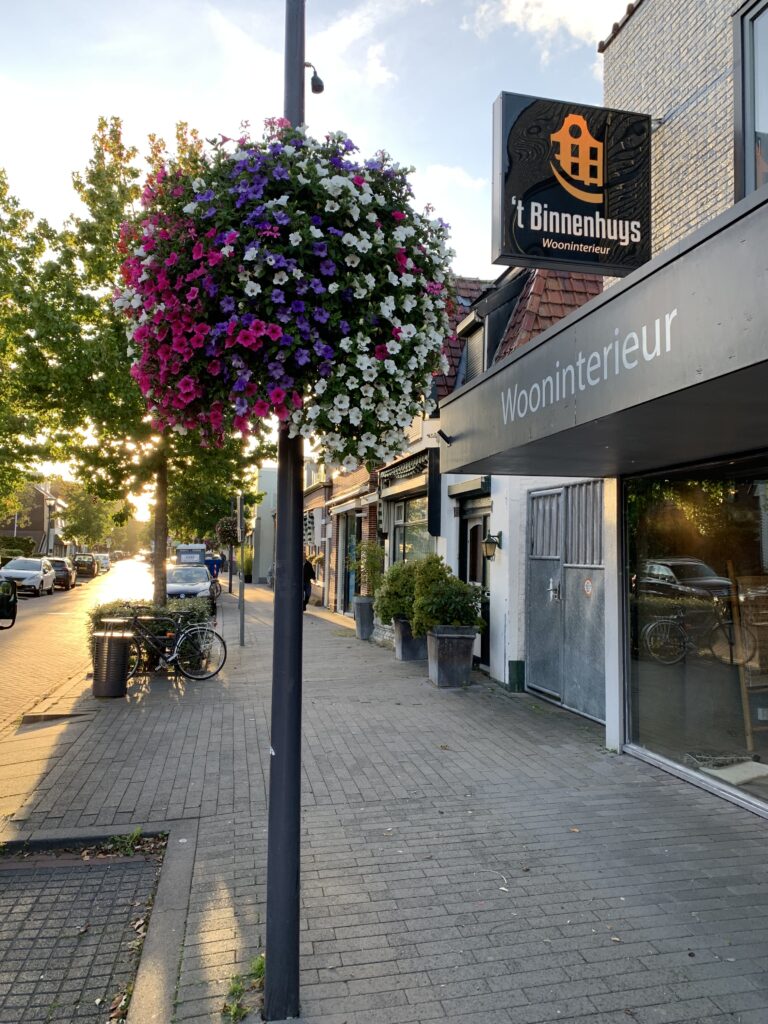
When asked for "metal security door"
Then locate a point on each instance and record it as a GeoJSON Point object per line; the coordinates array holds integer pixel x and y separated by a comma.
{"type": "Point", "coordinates": [544, 628]}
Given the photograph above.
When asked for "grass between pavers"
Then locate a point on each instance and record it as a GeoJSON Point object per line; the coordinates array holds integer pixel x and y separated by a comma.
{"type": "Point", "coordinates": [117, 847]}
{"type": "Point", "coordinates": [244, 987]}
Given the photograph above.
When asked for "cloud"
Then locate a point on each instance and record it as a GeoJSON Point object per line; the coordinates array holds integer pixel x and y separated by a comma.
{"type": "Point", "coordinates": [464, 201]}
{"type": "Point", "coordinates": [547, 19]}
{"type": "Point", "coordinates": [375, 71]}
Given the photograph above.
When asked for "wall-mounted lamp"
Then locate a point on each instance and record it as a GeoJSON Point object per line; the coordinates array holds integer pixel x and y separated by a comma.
{"type": "Point", "coordinates": [443, 437]}
{"type": "Point", "coordinates": [490, 542]}
{"type": "Point", "coordinates": [315, 82]}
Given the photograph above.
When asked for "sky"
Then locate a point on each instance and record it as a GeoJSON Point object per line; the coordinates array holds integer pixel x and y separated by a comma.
{"type": "Point", "coordinates": [417, 78]}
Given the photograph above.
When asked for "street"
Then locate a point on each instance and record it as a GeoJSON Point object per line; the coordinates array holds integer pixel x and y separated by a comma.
{"type": "Point", "coordinates": [47, 646]}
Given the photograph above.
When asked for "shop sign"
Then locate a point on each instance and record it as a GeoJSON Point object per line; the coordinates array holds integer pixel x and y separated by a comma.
{"type": "Point", "coordinates": [571, 186]}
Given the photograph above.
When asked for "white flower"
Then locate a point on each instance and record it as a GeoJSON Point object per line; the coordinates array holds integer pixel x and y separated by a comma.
{"type": "Point", "coordinates": [352, 260]}
{"type": "Point", "coordinates": [295, 238]}
{"type": "Point", "coordinates": [341, 402]}
{"type": "Point", "coordinates": [334, 416]}
{"type": "Point", "coordinates": [360, 293]}
{"type": "Point", "coordinates": [321, 386]}
{"type": "Point", "coordinates": [345, 344]}
{"type": "Point", "coordinates": [372, 217]}
{"type": "Point", "coordinates": [190, 208]}
{"type": "Point", "coordinates": [349, 464]}
{"type": "Point", "coordinates": [355, 417]}
{"type": "Point", "coordinates": [390, 366]}
{"type": "Point", "coordinates": [333, 287]}
{"type": "Point", "coordinates": [198, 184]}
{"type": "Point", "coordinates": [352, 383]}
{"type": "Point", "coordinates": [393, 278]}
{"type": "Point", "coordinates": [251, 254]}
{"type": "Point", "coordinates": [252, 288]}
{"type": "Point", "coordinates": [280, 277]}
{"type": "Point", "coordinates": [315, 232]}
{"type": "Point", "coordinates": [332, 206]}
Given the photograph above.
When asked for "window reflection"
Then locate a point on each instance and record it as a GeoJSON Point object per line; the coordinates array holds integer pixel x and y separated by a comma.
{"type": "Point", "coordinates": [698, 610]}
{"type": "Point", "coordinates": [760, 63]}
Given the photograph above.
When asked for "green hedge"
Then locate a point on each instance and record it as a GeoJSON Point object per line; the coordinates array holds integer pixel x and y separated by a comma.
{"type": "Point", "coordinates": [196, 609]}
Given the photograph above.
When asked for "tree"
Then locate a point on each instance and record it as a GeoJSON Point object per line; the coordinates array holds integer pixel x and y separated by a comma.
{"type": "Point", "coordinates": [73, 368]}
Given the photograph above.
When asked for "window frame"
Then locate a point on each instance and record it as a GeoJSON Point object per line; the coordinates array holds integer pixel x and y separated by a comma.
{"type": "Point", "coordinates": [744, 97]}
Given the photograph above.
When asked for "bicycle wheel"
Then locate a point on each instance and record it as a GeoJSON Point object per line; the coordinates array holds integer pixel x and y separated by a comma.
{"type": "Point", "coordinates": [135, 658]}
{"type": "Point", "coordinates": [730, 648]}
{"type": "Point", "coordinates": [666, 641]}
{"type": "Point", "coordinates": [200, 652]}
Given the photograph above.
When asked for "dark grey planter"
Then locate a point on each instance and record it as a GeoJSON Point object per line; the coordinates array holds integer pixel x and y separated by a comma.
{"type": "Point", "coordinates": [407, 646]}
{"type": "Point", "coordinates": [363, 607]}
{"type": "Point", "coordinates": [450, 655]}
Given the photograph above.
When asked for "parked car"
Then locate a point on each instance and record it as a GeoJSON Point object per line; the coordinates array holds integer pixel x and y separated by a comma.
{"type": "Point", "coordinates": [86, 565]}
{"type": "Point", "coordinates": [66, 573]}
{"type": "Point", "coordinates": [190, 581]}
{"type": "Point", "coordinates": [31, 575]}
{"type": "Point", "coordinates": [105, 562]}
{"type": "Point", "coordinates": [681, 576]}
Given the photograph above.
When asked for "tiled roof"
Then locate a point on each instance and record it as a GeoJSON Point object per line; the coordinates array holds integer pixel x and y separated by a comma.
{"type": "Point", "coordinates": [467, 290]}
{"type": "Point", "coordinates": [547, 297]}
{"type": "Point", "coordinates": [618, 26]}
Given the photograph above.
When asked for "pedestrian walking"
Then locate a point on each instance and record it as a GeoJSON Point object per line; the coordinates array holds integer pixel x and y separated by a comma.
{"type": "Point", "coordinates": [309, 575]}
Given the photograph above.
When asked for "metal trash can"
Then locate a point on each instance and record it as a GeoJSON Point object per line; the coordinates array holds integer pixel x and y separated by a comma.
{"type": "Point", "coordinates": [110, 663]}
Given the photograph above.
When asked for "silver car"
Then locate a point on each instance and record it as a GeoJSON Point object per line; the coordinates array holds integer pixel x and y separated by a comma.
{"type": "Point", "coordinates": [31, 575]}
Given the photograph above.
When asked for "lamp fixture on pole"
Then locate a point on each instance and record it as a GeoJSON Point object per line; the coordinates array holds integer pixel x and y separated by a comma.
{"type": "Point", "coordinates": [315, 83]}
{"type": "Point", "coordinates": [491, 541]}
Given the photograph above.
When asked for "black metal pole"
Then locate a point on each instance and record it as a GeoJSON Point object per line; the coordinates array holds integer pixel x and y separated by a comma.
{"type": "Point", "coordinates": [281, 990]}
{"type": "Point", "coordinates": [231, 546]}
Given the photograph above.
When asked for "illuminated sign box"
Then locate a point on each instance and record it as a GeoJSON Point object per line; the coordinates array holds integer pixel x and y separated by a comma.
{"type": "Point", "coordinates": [571, 186]}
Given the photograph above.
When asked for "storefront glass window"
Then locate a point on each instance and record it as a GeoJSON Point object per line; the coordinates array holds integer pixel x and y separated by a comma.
{"type": "Point", "coordinates": [760, 61]}
{"type": "Point", "coordinates": [411, 537]}
{"type": "Point", "coordinates": [698, 621]}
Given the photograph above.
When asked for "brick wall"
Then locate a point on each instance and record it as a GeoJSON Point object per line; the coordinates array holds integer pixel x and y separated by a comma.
{"type": "Point", "coordinates": [673, 59]}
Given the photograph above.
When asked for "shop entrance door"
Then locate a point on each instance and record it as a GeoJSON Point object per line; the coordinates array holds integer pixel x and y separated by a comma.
{"type": "Point", "coordinates": [544, 598]}
{"type": "Point", "coordinates": [477, 573]}
{"type": "Point", "coordinates": [565, 635]}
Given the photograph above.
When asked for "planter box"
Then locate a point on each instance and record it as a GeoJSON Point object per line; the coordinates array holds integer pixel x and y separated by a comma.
{"type": "Point", "coordinates": [450, 655]}
{"type": "Point", "coordinates": [407, 646]}
{"type": "Point", "coordinates": [363, 607]}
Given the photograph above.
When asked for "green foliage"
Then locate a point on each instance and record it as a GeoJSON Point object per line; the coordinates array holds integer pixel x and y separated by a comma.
{"type": "Point", "coordinates": [247, 559]}
{"type": "Point", "coordinates": [195, 610]}
{"type": "Point", "coordinates": [369, 565]}
{"type": "Point", "coordinates": [441, 599]}
{"type": "Point", "coordinates": [394, 598]}
{"type": "Point", "coordinates": [18, 546]}
{"type": "Point", "coordinates": [125, 846]}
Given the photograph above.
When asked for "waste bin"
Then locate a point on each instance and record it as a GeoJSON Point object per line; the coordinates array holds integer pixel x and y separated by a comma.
{"type": "Point", "coordinates": [110, 663]}
{"type": "Point", "coordinates": [214, 566]}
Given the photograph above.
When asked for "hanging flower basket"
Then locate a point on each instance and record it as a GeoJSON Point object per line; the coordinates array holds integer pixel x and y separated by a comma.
{"type": "Point", "coordinates": [286, 278]}
{"type": "Point", "coordinates": [226, 531]}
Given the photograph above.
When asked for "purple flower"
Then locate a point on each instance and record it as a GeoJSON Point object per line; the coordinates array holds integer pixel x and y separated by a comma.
{"type": "Point", "coordinates": [301, 356]}
{"type": "Point", "coordinates": [328, 268]}
{"type": "Point", "coordinates": [241, 405]}
{"type": "Point", "coordinates": [325, 369]}
{"type": "Point", "coordinates": [278, 296]}
{"type": "Point", "coordinates": [204, 197]}
{"type": "Point", "coordinates": [301, 288]}
{"type": "Point", "coordinates": [275, 148]}
{"type": "Point", "coordinates": [280, 173]}
{"type": "Point", "coordinates": [302, 323]}
{"type": "Point", "coordinates": [320, 249]}
{"type": "Point", "coordinates": [316, 220]}
{"type": "Point", "coordinates": [317, 285]}
{"type": "Point", "coordinates": [321, 315]}
{"type": "Point", "coordinates": [210, 212]}
{"type": "Point", "coordinates": [344, 328]}
{"type": "Point", "coordinates": [281, 217]}
{"type": "Point", "coordinates": [286, 339]}
{"type": "Point", "coordinates": [297, 306]}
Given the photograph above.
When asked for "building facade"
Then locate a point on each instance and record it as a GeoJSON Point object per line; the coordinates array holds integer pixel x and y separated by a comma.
{"type": "Point", "coordinates": [652, 393]}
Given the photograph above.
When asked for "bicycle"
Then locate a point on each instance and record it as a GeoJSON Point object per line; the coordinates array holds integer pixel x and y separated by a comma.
{"type": "Point", "coordinates": [669, 639]}
{"type": "Point", "coordinates": [196, 650]}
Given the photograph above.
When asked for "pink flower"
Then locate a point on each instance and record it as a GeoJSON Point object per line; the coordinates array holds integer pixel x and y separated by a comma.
{"type": "Point", "coordinates": [277, 396]}
{"type": "Point", "coordinates": [197, 252]}
{"type": "Point", "coordinates": [282, 413]}
{"type": "Point", "coordinates": [187, 386]}
{"type": "Point", "coordinates": [192, 294]}
{"type": "Point", "coordinates": [214, 367]}
{"type": "Point", "coordinates": [261, 407]}
{"type": "Point", "coordinates": [214, 258]}
{"type": "Point", "coordinates": [381, 352]}
{"type": "Point", "coordinates": [259, 327]}
{"type": "Point", "coordinates": [274, 331]}
{"type": "Point", "coordinates": [397, 215]}
{"type": "Point", "coordinates": [297, 400]}
{"type": "Point", "coordinates": [358, 180]}
{"type": "Point", "coordinates": [246, 338]}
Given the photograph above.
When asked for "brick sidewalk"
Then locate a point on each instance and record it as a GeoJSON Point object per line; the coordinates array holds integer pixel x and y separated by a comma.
{"type": "Point", "coordinates": [467, 856]}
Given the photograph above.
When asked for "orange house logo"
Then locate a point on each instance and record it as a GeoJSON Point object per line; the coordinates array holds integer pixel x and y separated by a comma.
{"type": "Point", "coordinates": [578, 160]}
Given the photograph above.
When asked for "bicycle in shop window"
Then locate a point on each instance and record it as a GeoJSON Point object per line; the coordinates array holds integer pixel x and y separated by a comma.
{"type": "Point", "coordinates": [669, 638]}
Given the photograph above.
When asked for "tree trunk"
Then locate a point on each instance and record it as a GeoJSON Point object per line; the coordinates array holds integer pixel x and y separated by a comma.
{"type": "Point", "coordinates": [161, 527]}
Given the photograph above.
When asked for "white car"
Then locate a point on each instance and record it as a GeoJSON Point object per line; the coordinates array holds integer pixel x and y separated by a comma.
{"type": "Point", "coordinates": [105, 562]}
{"type": "Point", "coordinates": [31, 575]}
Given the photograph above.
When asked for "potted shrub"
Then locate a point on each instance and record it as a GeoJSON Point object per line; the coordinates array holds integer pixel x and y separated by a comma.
{"type": "Point", "coordinates": [394, 603]}
{"type": "Point", "coordinates": [369, 566]}
{"type": "Point", "coordinates": [448, 611]}
{"type": "Point", "coordinates": [248, 564]}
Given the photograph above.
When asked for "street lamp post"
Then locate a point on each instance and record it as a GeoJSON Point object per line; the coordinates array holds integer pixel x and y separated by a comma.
{"type": "Point", "coordinates": [50, 538]}
{"type": "Point", "coordinates": [281, 990]}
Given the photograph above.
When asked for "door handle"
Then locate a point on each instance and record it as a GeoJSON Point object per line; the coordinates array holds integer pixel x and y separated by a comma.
{"type": "Point", "coordinates": [553, 590]}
